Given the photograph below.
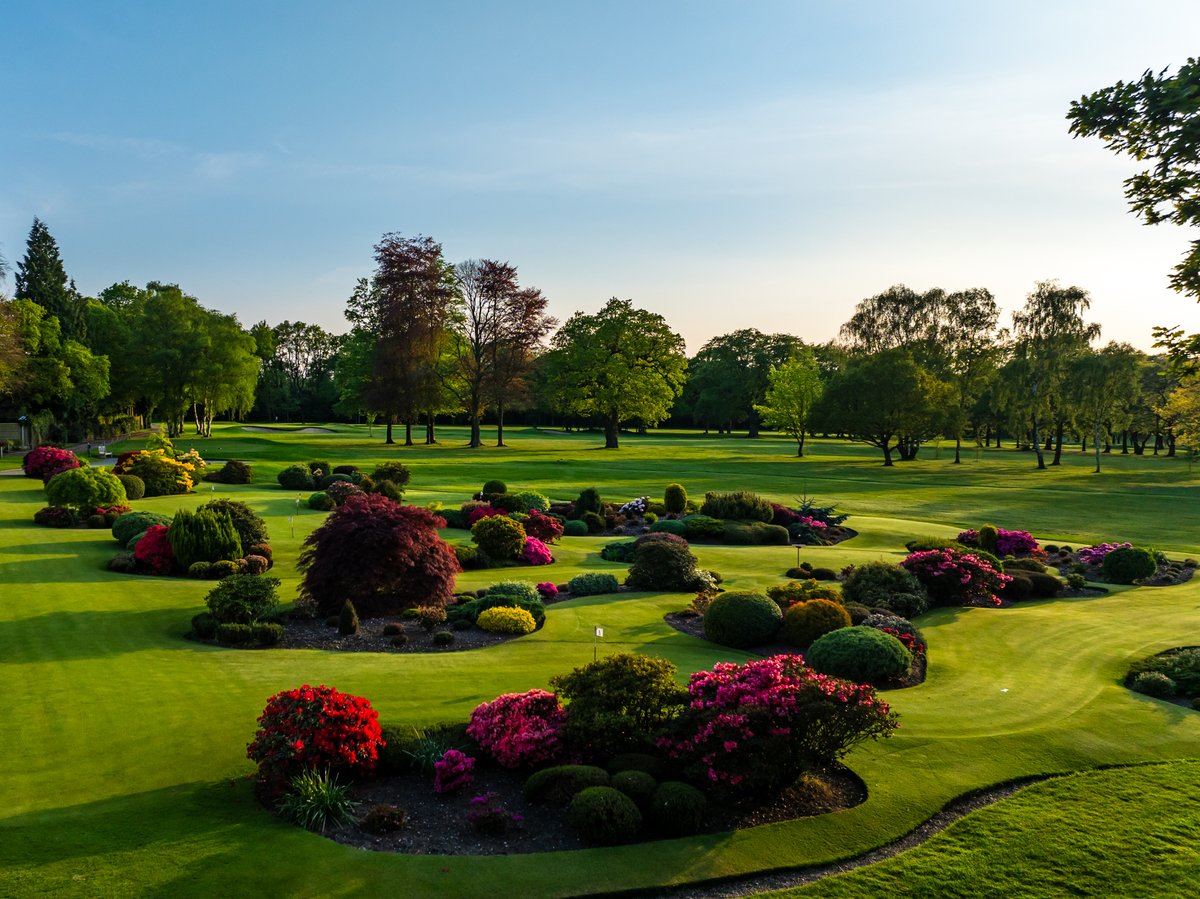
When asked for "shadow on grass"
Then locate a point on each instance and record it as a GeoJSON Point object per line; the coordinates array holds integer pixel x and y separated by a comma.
{"type": "Point", "coordinates": [91, 634]}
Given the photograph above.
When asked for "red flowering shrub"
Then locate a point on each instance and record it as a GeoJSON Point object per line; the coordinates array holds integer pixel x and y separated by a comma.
{"type": "Point", "coordinates": [955, 578]}
{"type": "Point", "coordinates": [315, 727]}
{"type": "Point", "coordinates": [547, 590]}
{"type": "Point", "coordinates": [536, 552]}
{"type": "Point", "coordinates": [543, 527]}
{"type": "Point", "coordinates": [154, 551]}
{"type": "Point", "coordinates": [478, 513]}
{"type": "Point", "coordinates": [380, 555]}
{"type": "Point", "coordinates": [46, 461]}
{"type": "Point", "coordinates": [452, 772]}
{"type": "Point", "coordinates": [760, 725]}
{"type": "Point", "coordinates": [519, 729]}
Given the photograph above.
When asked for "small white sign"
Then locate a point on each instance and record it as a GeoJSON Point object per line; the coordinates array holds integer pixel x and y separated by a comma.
{"type": "Point", "coordinates": [599, 632]}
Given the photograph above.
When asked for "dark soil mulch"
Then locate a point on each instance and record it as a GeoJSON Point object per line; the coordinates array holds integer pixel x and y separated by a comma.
{"type": "Point", "coordinates": [313, 633]}
{"type": "Point", "coordinates": [692, 624]}
{"type": "Point", "coordinates": [437, 825]}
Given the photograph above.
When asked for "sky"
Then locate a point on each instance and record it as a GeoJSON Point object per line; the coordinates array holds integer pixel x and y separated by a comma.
{"type": "Point", "coordinates": [727, 165]}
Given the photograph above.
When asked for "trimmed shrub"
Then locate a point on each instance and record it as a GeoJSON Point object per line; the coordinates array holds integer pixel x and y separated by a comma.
{"type": "Point", "coordinates": [519, 729]}
{"type": "Point", "coordinates": [199, 570]}
{"type": "Point", "coordinates": [653, 765]}
{"type": "Point", "coordinates": [124, 563]}
{"type": "Point", "coordinates": [84, 489]}
{"type": "Point", "coordinates": [702, 527]}
{"type": "Point", "coordinates": [499, 538]}
{"type": "Point", "coordinates": [203, 536]}
{"type": "Point", "coordinates": [872, 583]}
{"type": "Point", "coordinates": [594, 521]}
{"type": "Point", "coordinates": [233, 634]}
{"type": "Point", "coordinates": [519, 590]}
{"type": "Point", "coordinates": [204, 625]}
{"type": "Point", "coordinates": [675, 499]}
{"type": "Point", "coordinates": [742, 619]}
{"type": "Point", "coordinates": [223, 568]}
{"type": "Point", "coordinates": [754, 533]}
{"type": "Point", "coordinates": [1181, 666]}
{"type": "Point", "coordinates": [605, 816]}
{"type": "Point", "coordinates": [534, 501]}
{"type": "Point", "coordinates": [55, 517]}
{"type": "Point", "coordinates": [321, 502]}
{"type": "Point", "coordinates": [135, 540]}
{"type": "Point", "coordinates": [348, 620]}
{"type": "Point", "coordinates": [1042, 585]}
{"type": "Point", "coordinates": [295, 477]}
{"type": "Point", "coordinates": [508, 502]}
{"type": "Point", "coordinates": [340, 491]}
{"type": "Point", "coordinates": [394, 473]}
{"type": "Point", "coordinates": [266, 633]}
{"type": "Point", "coordinates": [1128, 564]}
{"type": "Point", "coordinates": [493, 488]}
{"type": "Point", "coordinates": [637, 785]}
{"type": "Point", "coordinates": [153, 550]}
{"type": "Point", "coordinates": [443, 638]}
{"type": "Point", "coordinates": [858, 614]}
{"type": "Point", "coordinates": [1018, 588]}
{"type": "Point", "coordinates": [989, 538]}
{"type": "Point", "coordinates": [1154, 683]}
{"type": "Point", "coordinates": [621, 703]}
{"type": "Point", "coordinates": [160, 472]}
{"type": "Point", "coordinates": [256, 565]}
{"type": "Point", "coordinates": [661, 565]}
{"type": "Point", "coordinates": [900, 628]}
{"type": "Point", "coordinates": [536, 552]}
{"type": "Point", "coordinates": [592, 584]}
{"type": "Point", "coordinates": [381, 556]}
{"type": "Point", "coordinates": [95, 521]}
{"type": "Point", "coordinates": [589, 501]}
{"type": "Point", "coordinates": [575, 528]}
{"type": "Point", "coordinates": [558, 785]}
{"type": "Point", "coordinates": [861, 654]}
{"type": "Point", "coordinates": [258, 549]}
{"type": "Point", "coordinates": [243, 599]}
{"type": "Point", "coordinates": [331, 479]}
{"type": "Point", "coordinates": [804, 622]}
{"type": "Point", "coordinates": [669, 526]}
{"type": "Point", "coordinates": [906, 605]}
{"type": "Point", "coordinates": [1023, 565]}
{"type": "Point", "coordinates": [319, 469]}
{"type": "Point", "coordinates": [741, 505]}
{"type": "Point", "coordinates": [469, 557]}
{"type": "Point", "coordinates": [384, 818]}
{"type": "Point", "coordinates": [232, 472]}
{"type": "Point", "coordinates": [454, 518]}
{"type": "Point", "coordinates": [619, 552]}
{"type": "Point", "coordinates": [785, 595]}
{"type": "Point", "coordinates": [135, 487]}
{"type": "Point", "coordinates": [677, 809]}
{"type": "Point", "coordinates": [506, 620]}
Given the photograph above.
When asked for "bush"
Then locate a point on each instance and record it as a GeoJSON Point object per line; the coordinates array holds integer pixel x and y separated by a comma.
{"type": "Point", "coordinates": [266, 633]}
{"type": "Point", "coordinates": [873, 583]}
{"type": "Point", "coordinates": [604, 815]}
{"type": "Point", "coordinates": [621, 551]}
{"type": "Point", "coordinates": [677, 809]}
{"type": "Point", "coordinates": [1154, 683]}
{"type": "Point", "coordinates": [594, 521]}
{"type": "Point", "coordinates": [592, 584]}
{"type": "Point", "coordinates": [637, 785]}
{"type": "Point", "coordinates": [805, 622]}
{"type": "Point", "coordinates": [161, 473]}
{"type": "Point", "coordinates": [756, 727]}
{"type": "Point", "coordinates": [83, 489]}
{"type": "Point", "coordinates": [702, 527]}
{"type": "Point", "coordinates": [222, 569]}
{"type": "Point", "coordinates": [506, 620]}
{"type": "Point", "coordinates": [384, 818]}
{"type": "Point", "coordinates": [387, 490]}
{"type": "Point", "coordinates": [204, 625]}
{"type": "Point", "coordinates": [452, 772]}
{"type": "Point", "coordinates": [786, 595]}
{"type": "Point", "coordinates": [1126, 565]}
{"type": "Point", "coordinates": [232, 472]}
{"type": "Point", "coordinates": [519, 729]}
{"type": "Point", "coordinates": [203, 536]}
{"type": "Point", "coordinates": [348, 620]}
{"type": "Point", "coordinates": [296, 477]}
{"type": "Point", "coordinates": [668, 526]}
{"type": "Point", "coordinates": [742, 619]}
{"type": "Point", "coordinates": [906, 605]}
{"type": "Point", "coordinates": [741, 505]}
{"type": "Point", "coordinates": [575, 528]}
{"type": "Point", "coordinates": [861, 654]}
{"type": "Point", "coordinates": [134, 541]}
{"type": "Point", "coordinates": [858, 614]}
{"type": "Point", "coordinates": [989, 537]}
{"type": "Point", "coordinates": [123, 563]}
{"type": "Point", "coordinates": [520, 590]}
{"type": "Point", "coordinates": [256, 565]}
{"type": "Point", "coordinates": [954, 578]}
{"type": "Point", "coordinates": [900, 628]}
{"type": "Point", "coordinates": [559, 784]}
{"type": "Point", "coordinates": [589, 501]}
{"type": "Point", "coordinates": [320, 502]}
{"type": "Point", "coordinates": [543, 527]}
{"type": "Point", "coordinates": [153, 550]}
{"type": "Point", "coordinates": [199, 570]}
{"type": "Point", "coordinates": [382, 556]}
{"type": "Point", "coordinates": [233, 634]}
{"type": "Point", "coordinates": [315, 727]}
{"type": "Point", "coordinates": [1042, 585]}
{"type": "Point", "coordinates": [129, 525]}
{"type": "Point", "coordinates": [46, 461]}
{"type": "Point", "coordinates": [243, 599]}
{"type": "Point", "coordinates": [754, 533]}
{"type": "Point", "coordinates": [660, 565]}
{"type": "Point", "coordinates": [653, 765]}
{"type": "Point", "coordinates": [394, 473]}
{"type": "Point", "coordinates": [675, 499]}
{"type": "Point", "coordinates": [508, 502]}
{"type": "Point", "coordinates": [135, 487]}
{"type": "Point", "coordinates": [493, 488]}
{"type": "Point", "coordinates": [499, 538]}
{"type": "Point", "coordinates": [453, 518]}
{"type": "Point", "coordinates": [998, 541]}
{"type": "Point", "coordinates": [536, 552]}
{"type": "Point", "coordinates": [55, 517]}
{"type": "Point", "coordinates": [621, 703]}
{"type": "Point", "coordinates": [534, 501]}
{"type": "Point", "coordinates": [443, 638]}
{"type": "Point", "coordinates": [1023, 565]}
{"type": "Point", "coordinates": [1181, 666]}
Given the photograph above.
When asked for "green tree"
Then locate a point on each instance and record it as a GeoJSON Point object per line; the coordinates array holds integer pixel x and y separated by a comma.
{"type": "Point", "coordinates": [728, 378]}
{"type": "Point", "coordinates": [620, 364]}
{"type": "Point", "coordinates": [1154, 118]}
{"type": "Point", "coordinates": [42, 278]}
{"type": "Point", "coordinates": [1103, 385]}
{"type": "Point", "coordinates": [793, 389]}
{"type": "Point", "coordinates": [170, 339]}
{"type": "Point", "coordinates": [225, 373]}
{"type": "Point", "coordinates": [1182, 410]}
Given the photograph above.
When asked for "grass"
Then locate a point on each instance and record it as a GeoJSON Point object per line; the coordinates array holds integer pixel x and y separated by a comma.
{"type": "Point", "coordinates": [124, 744]}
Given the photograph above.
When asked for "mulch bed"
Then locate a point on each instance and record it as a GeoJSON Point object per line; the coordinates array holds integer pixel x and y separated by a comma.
{"type": "Point", "coordinates": [1169, 574]}
{"type": "Point", "coordinates": [314, 633]}
{"type": "Point", "coordinates": [437, 825]}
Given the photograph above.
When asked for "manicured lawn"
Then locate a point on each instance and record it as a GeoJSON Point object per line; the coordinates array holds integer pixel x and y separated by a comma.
{"type": "Point", "coordinates": [124, 744]}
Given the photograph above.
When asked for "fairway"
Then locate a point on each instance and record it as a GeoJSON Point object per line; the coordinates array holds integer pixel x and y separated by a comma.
{"type": "Point", "coordinates": [124, 744]}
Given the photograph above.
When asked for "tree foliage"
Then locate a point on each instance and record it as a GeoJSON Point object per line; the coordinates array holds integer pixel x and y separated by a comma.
{"type": "Point", "coordinates": [793, 390]}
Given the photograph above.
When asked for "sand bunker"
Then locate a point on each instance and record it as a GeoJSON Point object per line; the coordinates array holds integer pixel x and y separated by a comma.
{"type": "Point", "coordinates": [261, 430]}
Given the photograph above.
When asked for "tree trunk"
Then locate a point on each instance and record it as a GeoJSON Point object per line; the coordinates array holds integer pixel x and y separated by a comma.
{"type": "Point", "coordinates": [1125, 443]}
{"type": "Point", "coordinates": [800, 445]}
{"type": "Point", "coordinates": [476, 437]}
{"type": "Point", "coordinates": [408, 441]}
{"type": "Point", "coordinates": [430, 435]}
{"type": "Point", "coordinates": [390, 421]}
{"type": "Point", "coordinates": [1096, 442]}
{"type": "Point", "coordinates": [499, 425]}
{"type": "Point", "coordinates": [610, 433]}
{"type": "Point", "coordinates": [887, 454]}
{"type": "Point", "coordinates": [1058, 442]}
{"type": "Point", "coordinates": [1037, 447]}
{"type": "Point", "coordinates": [957, 449]}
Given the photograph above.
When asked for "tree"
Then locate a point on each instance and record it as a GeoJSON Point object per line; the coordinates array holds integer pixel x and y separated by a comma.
{"type": "Point", "coordinates": [728, 378]}
{"type": "Point", "coordinates": [523, 324]}
{"type": "Point", "coordinates": [620, 364]}
{"type": "Point", "coordinates": [793, 389]}
{"type": "Point", "coordinates": [1155, 118]}
{"type": "Point", "coordinates": [883, 400]}
{"type": "Point", "coordinates": [226, 373]}
{"type": "Point", "coordinates": [1102, 386]}
{"type": "Point", "coordinates": [969, 339]}
{"type": "Point", "coordinates": [1182, 409]}
{"type": "Point", "coordinates": [482, 284]}
{"type": "Point", "coordinates": [170, 339]}
{"type": "Point", "coordinates": [1049, 331]}
{"type": "Point", "coordinates": [42, 278]}
{"type": "Point", "coordinates": [11, 356]}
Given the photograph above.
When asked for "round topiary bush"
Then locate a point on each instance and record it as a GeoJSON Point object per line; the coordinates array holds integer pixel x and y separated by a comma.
{"type": "Point", "coordinates": [509, 502]}
{"type": "Point", "coordinates": [559, 784]}
{"type": "Point", "coordinates": [506, 620]}
{"type": "Point", "coordinates": [575, 528]}
{"type": "Point", "coordinates": [320, 502]}
{"type": "Point", "coordinates": [493, 487]}
{"type": "Point", "coordinates": [335, 479]}
{"type": "Point", "coordinates": [499, 538]}
{"type": "Point", "coordinates": [906, 605]}
{"type": "Point", "coordinates": [675, 499]}
{"type": "Point", "coordinates": [873, 583]}
{"type": "Point", "coordinates": [677, 809]}
{"type": "Point", "coordinates": [135, 487]}
{"type": "Point", "coordinates": [806, 621]}
{"type": "Point", "coordinates": [861, 654]}
{"type": "Point", "coordinates": [669, 526]}
{"type": "Point", "coordinates": [243, 599]}
{"type": "Point", "coordinates": [637, 785]}
{"type": "Point", "coordinates": [592, 584]}
{"type": "Point", "coordinates": [84, 489]}
{"type": "Point", "coordinates": [534, 501]}
{"type": "Point", "coordinates": [1121, 566]}
{"type": "Point", "coordinates": [664, 565]}
{"type": "Point", "coordinates": [295, 477]}
{"type": "Point", "coordinates": [604, 815]}
{"type": "Point", "coordinates": [742, 619]}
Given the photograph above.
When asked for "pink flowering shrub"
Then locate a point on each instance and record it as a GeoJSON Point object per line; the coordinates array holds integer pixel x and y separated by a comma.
{"type": "Point", "coordinates": [1094, 555]}
{"type": "Point", "coordinates": [815, 523]}
{"type": "Point", "coordinates": [315, 727]}
{"type": "Point", "coordinates": [760, 725]}
{"type": "Point", "coordinates": [1008, 543]}
{"type": "Point", "coordinates": [478, 513]}
{"type": "Point", "coordinates": [955, 578]}
{"type": "Point", "coordinates": [536, 552]}
{"type": "Point", "coordinates": [545, 528]}
{"type": "Point", "coordinates": [547, 590]}
{"type": "Point", "coordinates": [46, 461]}
{"type": "Point", "coordinates": [452, 772]}
{"type": "Point", "coordinates": [520, 729]}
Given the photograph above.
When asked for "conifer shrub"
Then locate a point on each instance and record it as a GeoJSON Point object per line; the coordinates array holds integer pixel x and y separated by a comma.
{"type": "Point", "coordinates": [203, 536]}
{"type": "Point", "coordinates": [742, 619]}
{"type": "Point", "coordinates": [243, 599]}
{"type": "Point", "coordinates": [666, 566]}
{"type": "Point", "coordinates": [381, 556]}
{"type": "Point", "coordinates": [394, 473]}
{"type": "Point", "coordinates": [703, 527]}
{"type": "Point", "coordinates": [675, 499]}
{"type": "Point", "coordinates": [131, 524]}
{"type": "Point", "coordinates": [534, 501]}
{"type": "Point", "coordinates": [161, 473]}
{"type": "Point", "coordinates": [509, 502]}
{"type": "Point", "coordinates": [589, 501]}
{"type": "Point", "coordinates": [872, 583]}
{"type": "Point", "coordinates": [348, 620]}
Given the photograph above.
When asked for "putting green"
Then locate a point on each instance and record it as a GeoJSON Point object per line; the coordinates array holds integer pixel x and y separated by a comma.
{"type": "Point", "coordinates": [124, 744]}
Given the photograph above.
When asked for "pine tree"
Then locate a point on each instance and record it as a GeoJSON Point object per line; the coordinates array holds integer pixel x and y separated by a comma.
{"type": "Point", "coordinates": [41, 277]}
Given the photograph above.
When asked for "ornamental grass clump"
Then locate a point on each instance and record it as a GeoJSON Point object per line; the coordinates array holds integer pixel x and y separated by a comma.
{"type": "Point", "coordinates": [312, 728]}
{"type": "Point", "coordinates": [519, 730]}
{"type": "Point", "coordinates": [316, 801]}
{"type": "Point", "coordinates": [954, 578]}
{"type": "Point", "coordinates": [758, 726]}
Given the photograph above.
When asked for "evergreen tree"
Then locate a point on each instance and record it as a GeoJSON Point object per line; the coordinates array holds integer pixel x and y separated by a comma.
{"type": "Point", "coordinates": [41, 277]}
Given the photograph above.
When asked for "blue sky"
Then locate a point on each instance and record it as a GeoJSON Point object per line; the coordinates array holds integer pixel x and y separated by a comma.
{"type": "Point", "coordinates": [760, 164]}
